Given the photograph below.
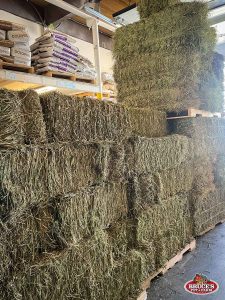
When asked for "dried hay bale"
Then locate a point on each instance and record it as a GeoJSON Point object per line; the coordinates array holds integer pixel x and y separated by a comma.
{"type": "Point", "coordinates": [83, 119]}
{"type": "Point", "coordinates": [33, 174]}
{"type": "Point", "coordinates": [211, 86]}
{"type": "Point", "coordinates": [11, 132]}
{"type": "Point", "coordinates": [80, 214]}
{"type": "Point", "coordinates": [147, 7]}
{"type": "Point", "coordinates": [75, 272]}
{"type": "Point", "coordinates": [208, 211]}
{"type": "Point", "coordinates": [147, 123]}
{"type": "Point", "coordinates": [207, 134]}
{"type": "Point", "coordinates": [34, 127]}
{"type": "Point", "coordinates": [152, 224]}
{"type": "Point", "coordinates": [219, 171]}
{"type": "Point", "coordinates": [154, 154]}
{"type": "Point", "coordinates": [203, 177]}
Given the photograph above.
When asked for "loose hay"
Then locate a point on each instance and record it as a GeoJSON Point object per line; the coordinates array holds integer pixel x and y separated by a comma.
{"type": "Point", "coordinates": [219, 171]}
{"type": "Point", "coordinates": [34, 127]}
{"type": "Point", "coordinates": [154, 154]}
{"type": "Point", "coordinates": [74, 119]}
{"type": "Point", "coordinates": [147, 123]}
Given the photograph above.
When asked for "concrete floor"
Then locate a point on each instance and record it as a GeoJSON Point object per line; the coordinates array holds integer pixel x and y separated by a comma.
{"type": "Point", "coordinates": [208, 258]}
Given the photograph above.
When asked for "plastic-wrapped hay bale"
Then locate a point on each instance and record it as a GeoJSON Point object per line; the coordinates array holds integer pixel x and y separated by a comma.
{"type": "Point", "coordinates": [211, 85]}
{"type": "Point", "coordinates": [219, 171]}
{"type": "Point", "coordinates": [207, 134]}
{"type": "Point", "coordinates": [147, 7]}
{"type": "Point", "coordinates": [11, 132]}
{"type": "Point", "coordinates": [167, 48]}
{"type": "Point", "coordinates": [208, 211]}
{"type": "Point", "coordinates": [150, 155]}
{"type": "Point", "coordinates": [75, 119]}
{"type": "Point", "coordinates": [80, 214]}
{"type": "Point", "coordinates": [148, 123]}
{"type": "Point", "coordinates": [34, 127]}
{"type": "Point", "coordinates": [152, 223]}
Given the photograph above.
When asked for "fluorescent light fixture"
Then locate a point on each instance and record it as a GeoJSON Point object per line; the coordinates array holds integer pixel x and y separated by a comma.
{"type": "Point", "coordinates": [45, 89]}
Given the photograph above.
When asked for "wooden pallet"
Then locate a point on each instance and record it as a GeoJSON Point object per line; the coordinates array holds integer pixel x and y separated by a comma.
{"type": "Point", "coordinates": [170, 264]}
{"type": "Point", "coordinates": [211, 228]}
{"type": "Point", "coordinates": [7, 43]}
{"type": "Point", "coordinates": [16, 67]}
{"type": "Point", "coordinates": [192, 113]}
{"type": "Point", "coordinates": [68, 76]}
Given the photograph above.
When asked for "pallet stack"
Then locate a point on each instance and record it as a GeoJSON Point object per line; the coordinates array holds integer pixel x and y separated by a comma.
{"type": "Point", "coordinates": [14, 44]}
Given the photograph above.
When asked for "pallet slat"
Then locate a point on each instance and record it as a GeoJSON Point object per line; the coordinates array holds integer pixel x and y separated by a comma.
{"type": "Point", "coordinates": [170, 264]}
{"type": "Point", "coordinates": [16, 67]}
{"type": "Point", "coordinates": [68, 76]}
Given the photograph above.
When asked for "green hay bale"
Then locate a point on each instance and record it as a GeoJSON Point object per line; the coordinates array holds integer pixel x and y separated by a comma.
{"type": "Point", "coordinates": [150, 155]}
{"type": "Point", "coordinates": [219, 171]}
{"type": "Point", "coordinates": [87, 120]}
{"type": "Point", "coordinates": [147, 7]}
{"type": "Point", "coordinates": [168, 49]}
{"type": "Point", "coordinates": [207, 134]}
{"type": "Point", "coordinates": [208, 211]}
{"type": "Point", "coordinates": [211, 86]}
{"type": "Point", "coordinates": [147, 123]}
{"type": "Point", "coordinates": [172, 23]}
{"type": "Point", "coordinates": [10, 119]}
{"type": "Point", "coordinates": [34, 127]}
{"type": "Point", "coordinates": [79, 215]}
{"type": "Point", "coordinates": [115, 161]}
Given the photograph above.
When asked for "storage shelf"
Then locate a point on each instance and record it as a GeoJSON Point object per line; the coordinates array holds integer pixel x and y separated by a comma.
{"type": "Point", "coordinates": [18, 80]}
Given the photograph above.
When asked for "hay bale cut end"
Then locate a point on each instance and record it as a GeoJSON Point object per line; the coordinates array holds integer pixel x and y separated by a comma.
{"type": "Point", "coordinates": [147, 123]}
{"type": "Point", "coordinates": [154, 154]}
{"type": "Point", "coordinates": [11, 131]}
{"type": "Point", "coordinates": [34, 127]}
{"type": "Point", "coordinates": [70, 119]}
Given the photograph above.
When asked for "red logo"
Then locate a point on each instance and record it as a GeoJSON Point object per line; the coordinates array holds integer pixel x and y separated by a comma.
{"type": "Point", "coordinates": [201, 285]}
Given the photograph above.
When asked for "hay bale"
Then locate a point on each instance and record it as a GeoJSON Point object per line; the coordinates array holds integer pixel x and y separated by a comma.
{"type": "Point", "coordinates": [219, 171]}
{"type": "Point", "coordinates": [208, 211]}
{"type": "Point", "coordinates": [207, 134]}
{"type": "Point", "coordinates": [168, 48]}
{"type": "Point", "coordinates": [211, 87]}
{"type": "Point", "coordinates": [154, 154]}
{"type": "Point", "coordinates": [34, 127]}
{"type": "Point", "coordinates": [147, 7]}
{"type": "Point", "coordinates": [11, 132]}
{"type": "Point", "coordinates": [147, 123]}
{"type": "Point", "coordinates": [83, 119]}
{"type": "Point", "coordinates": [176, 227]}
{"type": "Point", "coordinates": [80, 214]}
{"type": "Point", "coordinates": [33, 174]}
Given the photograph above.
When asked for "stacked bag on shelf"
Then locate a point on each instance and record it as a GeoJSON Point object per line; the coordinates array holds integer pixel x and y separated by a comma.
{"type": "Point", "coordinates": [14, 44]}
{"type": "Point", "coordinates": [55, 51]}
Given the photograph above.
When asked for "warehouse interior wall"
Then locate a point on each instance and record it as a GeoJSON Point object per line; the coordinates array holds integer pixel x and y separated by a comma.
{"type": "Point", "coordinates": [86, 49]}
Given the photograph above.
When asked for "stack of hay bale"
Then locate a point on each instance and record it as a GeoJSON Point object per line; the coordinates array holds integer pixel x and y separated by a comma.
{"type": "Point", "coordinates": [168, 52]}
{"type": "Point", "coordinates": [14, 44]}
{"type": "Point", "coordinates": [208, 197]}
